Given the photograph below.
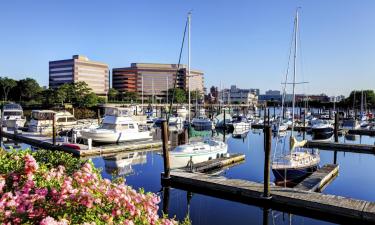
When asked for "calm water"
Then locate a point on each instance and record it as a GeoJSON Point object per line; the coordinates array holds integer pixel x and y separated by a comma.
{"type": "Point", "coordinates": [355, 180]}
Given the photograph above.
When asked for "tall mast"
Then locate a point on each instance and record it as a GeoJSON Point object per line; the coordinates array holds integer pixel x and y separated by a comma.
{"type": "Point", "coordinates": [167, 90]}
{"type": "Point", "coordinates": [361, 102]}
{"type": "Point", "coordinates": [189, 26]}
{"type": "Point", "coordinates": [295, 67]}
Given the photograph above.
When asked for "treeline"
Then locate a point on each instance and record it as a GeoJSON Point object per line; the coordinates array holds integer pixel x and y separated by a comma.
{"type": "Point", "coordinates": [28, 92]}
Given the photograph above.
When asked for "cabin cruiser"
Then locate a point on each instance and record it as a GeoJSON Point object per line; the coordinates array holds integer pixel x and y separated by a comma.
{"type": "Point", "coordinates": [279, 127]}
{"type": "Point", "coordinates": [240, 123]}
{"type": "Point", "coordinates": [197, 152]}
{"type": "Point", "coordinates": [173, 120]}
{"type": "Point", "coordinates": [182, 112]}
{"type": "Point", "coordinates": [42, 121]}
{"type": "Point", "coordinates": [117, 126]}
{"type": "Point", "coordinates": [219, 120]}
{"type": "Point", "coordinates": [322, 129]}
{"type": "Point", "coordinates": [350, 124]}
{"type": "Point", "coordinates": [12, 116]}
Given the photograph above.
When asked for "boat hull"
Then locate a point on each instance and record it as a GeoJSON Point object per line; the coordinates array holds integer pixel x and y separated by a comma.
{"type": "Point", "coordinates": [115, 137]}
{"type": "Point", "coordinates": [181, 160]}
{"type": "Point", "coordinates": [293, 174]}
{"type": "Point", "coordinates": [322, 133]}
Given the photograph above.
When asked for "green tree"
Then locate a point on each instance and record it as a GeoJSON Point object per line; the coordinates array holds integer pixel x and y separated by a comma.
{"type": "Point", "coordinates": [80, 90]}
{"type": "Point", "coordinates": [112, 94]}
{"type": "Point", "coordinates": [195, 95]}
{"type": "Point", "coordinates": [48, 96]}
{"type": "Point", "coordinates": [67, 92]}
{"type": "Point", "coordinates": [60, 95]}
{"type": "Point", "coordinates": [90, 100]}
{"type": "Point", "coordinates": [7, 84]}
{"type": "Point", "coordinates": [179, 95]}
{"type": "Point", "coordinates": [131, 96]}
{"type": "Point", "coordinates": [355, 96]}
{"type": "Point", "coordinates": [28, 88]}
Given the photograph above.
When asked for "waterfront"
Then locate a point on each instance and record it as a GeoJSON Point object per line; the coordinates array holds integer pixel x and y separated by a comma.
{"type": "Point", "coordinates": [209, 210]}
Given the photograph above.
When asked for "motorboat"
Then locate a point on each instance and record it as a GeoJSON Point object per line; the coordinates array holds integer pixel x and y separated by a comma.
{"type": "Point", "coordinates": [12, 116]}
{"type": "Point", "coordinates": [173, 120]}
{"type": "Point", "coordinates": [42, 121]}
{"type": "Point", "coordinates": [201, 123]}
{"type": "Point", "coordinates": [240, 133]}
{"type": "Point", "coordinates": [241, 123]}
{"type": "Point", "coordinates": [350, 124]}
{"type": "Point", "coordinates": [222, 120]}
{"type": "Point", "coordinates": [322, 129]}
{"type": "Point", "coordinates": [118, 126]}
{"type": "Point", "coordinates": [197, 152]}
{"type": "Point", "coordinates": [182, 112]}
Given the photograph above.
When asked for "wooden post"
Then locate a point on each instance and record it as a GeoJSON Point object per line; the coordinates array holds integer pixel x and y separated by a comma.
{"type": "Point", "coordinates": [164, 136]}
{"type": "Point", "coordinates": [336, 130]}
{"type": "Point", "coordinates": [98, 116]}
{"type": "Point", "coordinates": [264, 117]}
{"type": "Point", "coordinates": [166, 194]}
{"type": "Point", "coordinates": [73, 111]}
{"type": "Point", "coordinates": [53, 129]}
{"type": "Point", "coordinates": [267, 153]}
{"type": "Point", "coordinates": [224, 123]}
{"type": "Point", "coordinates": [266, 212]}
{"type": "Point", "coordinates": [268, 116]}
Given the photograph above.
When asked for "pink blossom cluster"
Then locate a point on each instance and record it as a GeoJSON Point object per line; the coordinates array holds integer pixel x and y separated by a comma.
{"type": "Point", "coordinates": [53, 197]}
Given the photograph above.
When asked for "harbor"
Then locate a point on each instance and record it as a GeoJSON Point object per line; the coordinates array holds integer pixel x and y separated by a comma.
{"type": "Point", "coordinates": [180, 113]}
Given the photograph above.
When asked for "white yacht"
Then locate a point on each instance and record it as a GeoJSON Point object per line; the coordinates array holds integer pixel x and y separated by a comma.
{"type": "Point", "coordinates": [117, 126]}
{"type": "Point", "coordinates": [197, 152]}
{"type": "Point", "coordinates": [41, 121]}
{"type": "Point", "coordinates": [182, 112]}
{"type": "Point", "coordinates": [12, 115]}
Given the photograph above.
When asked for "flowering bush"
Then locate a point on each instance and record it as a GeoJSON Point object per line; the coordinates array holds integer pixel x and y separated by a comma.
{"type": "Point", "coordinates": [56, 192]}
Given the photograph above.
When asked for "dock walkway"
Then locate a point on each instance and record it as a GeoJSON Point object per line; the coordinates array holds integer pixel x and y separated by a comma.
{"type": "Point", "coordinates": [42, 141]}
{"type": "Point", "coordinates": [344, 147]}
{"type": "Point", "coordinates": [319, 179]}
{"type": "Point", "coordinates": [331, 206]}
{"type": "Point", "coordinates": [216, 163]}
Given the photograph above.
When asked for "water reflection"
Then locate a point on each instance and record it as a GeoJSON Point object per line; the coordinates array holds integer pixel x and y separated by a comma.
{"type": "Point", "coordinates": [121, 164]}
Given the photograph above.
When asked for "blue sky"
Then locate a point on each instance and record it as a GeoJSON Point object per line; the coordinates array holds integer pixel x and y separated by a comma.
{"type": "Point", "coordinates": [245, 43]}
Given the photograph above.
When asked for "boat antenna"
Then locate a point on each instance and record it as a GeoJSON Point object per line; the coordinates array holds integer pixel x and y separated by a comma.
{"type": "Point", "coordinates": [177, 72]}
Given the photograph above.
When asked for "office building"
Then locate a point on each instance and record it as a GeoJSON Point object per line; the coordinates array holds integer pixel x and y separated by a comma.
{"type": "Point", "coordinates": [236, 95]}
{"type": "Point", "coordinates": [80, 68]}
{"type": "Point", "coordinates": [155, 79]}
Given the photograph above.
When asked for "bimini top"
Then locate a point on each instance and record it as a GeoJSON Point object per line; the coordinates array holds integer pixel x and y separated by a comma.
{"type": "Point", "coordinates": [12, 107]}
{"type": "Point", "coordinates": [117, 111]}
{"type": "Point", "coordinates": [48, 114]}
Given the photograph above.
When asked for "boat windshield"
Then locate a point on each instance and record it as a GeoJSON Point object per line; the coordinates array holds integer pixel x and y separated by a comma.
{"type": "Point", "coordinates": [12, 113]}
{"type": "Point", "coordinates": [41, 116]}
{"type": "Point", "coordinates": [108, 126]}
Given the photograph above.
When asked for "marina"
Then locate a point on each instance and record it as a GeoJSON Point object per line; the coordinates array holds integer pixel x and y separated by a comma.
{"type": "Point", "coordinates": [188, 113]}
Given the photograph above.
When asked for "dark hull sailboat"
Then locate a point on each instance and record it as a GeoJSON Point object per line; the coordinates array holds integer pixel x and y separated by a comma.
{"type": "Point", "coordinates": [291, 175]}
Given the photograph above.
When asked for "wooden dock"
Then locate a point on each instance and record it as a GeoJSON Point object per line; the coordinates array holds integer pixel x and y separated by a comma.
{"type": "Point", "coordinates": [45, 142]}
{"type": "Point", "coordinates": [216, 163]}
{"type": "Point", "coordinates": [307, 203]}
{"type": "Point", "coordinates": [319, 179]}
{"type": "Point", "coordinates": [362, 132]}
{"type": "Point", "coordinates": [343, 147]}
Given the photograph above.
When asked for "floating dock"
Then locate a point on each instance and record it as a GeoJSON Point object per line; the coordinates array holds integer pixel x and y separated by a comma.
{"type": "Point", "coordinates": [45, 142]}
{"type": "Point", "coordinates": [342, 147]}
{"type": "Point", "coordinates": [319, 179]}
{"type": "Point", "coordinates": [311, 204]}
{"type": "Point", "coordinates": [215, 164]}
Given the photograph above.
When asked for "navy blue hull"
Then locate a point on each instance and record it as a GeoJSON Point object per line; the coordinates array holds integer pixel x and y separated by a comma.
{"type": "Point", "coordinates": [293, 174]}
{"type": "Point", "coordinates": [323, 133]}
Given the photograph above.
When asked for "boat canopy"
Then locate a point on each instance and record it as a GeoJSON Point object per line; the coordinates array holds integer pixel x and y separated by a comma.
{"type": "Point", "coordinates": [115, 111]}
{"type": "Point", "coordinates": [12, 107]}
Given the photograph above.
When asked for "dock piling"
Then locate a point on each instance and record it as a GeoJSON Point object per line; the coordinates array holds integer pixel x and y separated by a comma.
{"type": "Point", "coordinates": [267, 152]}
{"type": "Point", "coordinates": [336, 127]}
{"type": "Point", "coordinates": [164, 135]}
{"type": "Point", "coordinates": [98, 116]}
{"type": "Point", "coordinates": [54, 129]}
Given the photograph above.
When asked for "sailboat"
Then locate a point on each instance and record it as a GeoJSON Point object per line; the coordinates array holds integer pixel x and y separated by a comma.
{"type": "Point", "coordinates": [297, 162]}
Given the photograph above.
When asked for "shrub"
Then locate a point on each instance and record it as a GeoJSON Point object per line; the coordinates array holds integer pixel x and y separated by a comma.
{"type": "Point", "coordinates": [48, 187]}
